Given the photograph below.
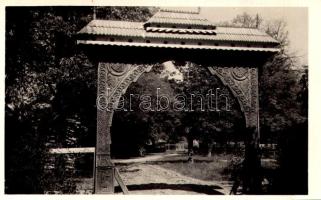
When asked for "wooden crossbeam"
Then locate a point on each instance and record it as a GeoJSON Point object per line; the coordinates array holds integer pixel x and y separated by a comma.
{"type": "Point", "coordinates": [72, 150]}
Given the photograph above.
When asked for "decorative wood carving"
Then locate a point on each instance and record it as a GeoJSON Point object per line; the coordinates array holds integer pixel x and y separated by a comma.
{"type": "Point", "coordinates": [243, 82]}
{"type": "Point", "coordinates": [113, 81]}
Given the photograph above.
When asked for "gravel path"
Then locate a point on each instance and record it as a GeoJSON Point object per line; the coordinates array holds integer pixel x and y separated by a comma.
{"type": "Point", "coordinates": [152, 179]}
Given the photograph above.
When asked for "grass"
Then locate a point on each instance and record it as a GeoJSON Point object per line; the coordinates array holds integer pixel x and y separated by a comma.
{"type": "Point", "coordinates": [217, 167]}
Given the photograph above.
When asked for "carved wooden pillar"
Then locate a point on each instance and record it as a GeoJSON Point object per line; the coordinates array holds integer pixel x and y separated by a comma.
{"type": "Point", "coordinates": [113, 81]}
{"type": "Point", "coordinates": [243, 82]}
{"type": "Point", "coordinates": [104, 168]}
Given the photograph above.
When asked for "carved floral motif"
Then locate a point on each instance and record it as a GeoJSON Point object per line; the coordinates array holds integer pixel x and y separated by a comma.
{"type": "Point", "coordinates": [239, 73]}
{"type": "Point", "coordinates": [243, 82]}
{"type": "Point", "coordinates": [113, 81]}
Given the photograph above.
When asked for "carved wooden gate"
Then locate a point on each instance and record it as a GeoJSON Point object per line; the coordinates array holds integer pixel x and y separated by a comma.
{"type": "Point", "coordinates": [115, 78]}
{"type": "Point", "coordinates": [120, 50]}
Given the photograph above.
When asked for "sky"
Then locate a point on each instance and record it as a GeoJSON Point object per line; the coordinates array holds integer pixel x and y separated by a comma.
{"type": "Point", "coordinates": [295, 17]}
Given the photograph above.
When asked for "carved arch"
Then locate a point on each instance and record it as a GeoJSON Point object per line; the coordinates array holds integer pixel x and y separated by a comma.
{"type": "Point", "coordinates": [113, 81]}
{"type": "Point", "coordinates": [115, 78]}
{"type": "Point", "coordinates": [243, 82]}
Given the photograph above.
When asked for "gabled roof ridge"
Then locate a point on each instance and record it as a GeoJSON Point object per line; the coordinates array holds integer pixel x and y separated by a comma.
{"type": "Point", "coordinates": [200, 19]}
{"type": "Point", "coordinates": [116, 24]}
{"type": "Point", "coordinates": [116, 21]}
{"type": "Point", "coordinates": [262, 33]}
{"type": "Point", "coordinates": [169, 28]}
{"type": "Point", "coordinates": [173, 10]}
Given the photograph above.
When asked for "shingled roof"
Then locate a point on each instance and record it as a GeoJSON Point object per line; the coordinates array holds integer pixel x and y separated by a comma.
{"type": "Point", "coordinates": [176, 29]}
{"type": "Point", "coordinates": [177, 18]}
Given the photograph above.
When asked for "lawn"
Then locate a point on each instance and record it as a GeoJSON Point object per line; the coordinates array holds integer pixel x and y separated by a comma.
{"type": "Point", "coordinates": [218, 167]}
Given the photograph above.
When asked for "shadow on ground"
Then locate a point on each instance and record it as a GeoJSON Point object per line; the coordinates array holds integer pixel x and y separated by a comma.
{"type": "Point", "coordinates": [204, 189]}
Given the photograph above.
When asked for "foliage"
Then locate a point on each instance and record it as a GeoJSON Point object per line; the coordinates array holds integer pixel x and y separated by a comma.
{"type": "Point", "coordinates": [279, 78]}
{"type": "Point", "coordinates": [293, 161]}
{"type": "Point", "coordinates": [50, 87]}
{"type": "Point", "coordinates": [134, 125]}
{"type": "Point", "coordinates": [210, 126]}
{"type": "Point", "coordinates": [280, 87]}
{"type": "Point", "coordinates": [283, 107]}
{"type": "Point", "coordinates": [32, 73]}
{"type": "Point", "coordinates": [248, 21]}
{"type": "Point", "coordinates": [138, 14]}
{"type": "Point", "coordinates": [170, 125]}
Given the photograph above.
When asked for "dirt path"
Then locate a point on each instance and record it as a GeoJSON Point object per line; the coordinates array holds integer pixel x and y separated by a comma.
{"type": "Point", "coordinates": [143, 178]}
{"type": "Point", "coordinates": [152, 179]}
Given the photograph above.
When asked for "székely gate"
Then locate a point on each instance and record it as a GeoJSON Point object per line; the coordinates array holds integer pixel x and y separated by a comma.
{"type": "Point", "coordinates": [124, 50]}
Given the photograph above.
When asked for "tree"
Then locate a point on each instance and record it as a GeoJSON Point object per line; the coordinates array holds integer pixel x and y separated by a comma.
{"type": "Point", "coordinates": [33, 71]}
{"type": "Point", "coordinates": [209, 126]}
{"type": "Point", "coordinates": [283, 103]}
{"type": "Point", "coordinates": [169, 125]}
{"type": "Point", "coordinates": [280, 85]}
{"type": "Point", "coordinates": [247, 21]}
{"type": "Point", "coordinates": [279, 108]}
{"type": "Point", "coordinates": [244, 20]}
{"type": "Point", "coordinates": [304, 92]}
{"type": "Point", "coordinates": [139, 113]}
{"type": "Point", "coordinates": [49, 87]}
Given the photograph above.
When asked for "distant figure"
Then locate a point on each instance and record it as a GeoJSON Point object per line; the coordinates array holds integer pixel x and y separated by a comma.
{"type": "Point", "coordinates": [190, 144]}
{"type": "Point", "coordinates": [196, 146]}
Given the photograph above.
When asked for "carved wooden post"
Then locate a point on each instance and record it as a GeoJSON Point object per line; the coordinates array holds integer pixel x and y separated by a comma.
{"type": "Point", "coordinates": [243, 82]}
{"type": "Point", "coordinates": [252, 162]}
{"type": "Point", "coordinates": [104, 168]}
{"type": "Point", "coordinates": [113, 81]}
